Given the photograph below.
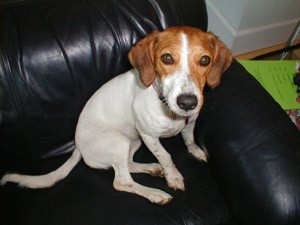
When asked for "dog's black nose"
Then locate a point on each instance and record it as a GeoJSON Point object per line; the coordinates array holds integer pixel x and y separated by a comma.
{"type": "Point", "coordinates": [187, 101]}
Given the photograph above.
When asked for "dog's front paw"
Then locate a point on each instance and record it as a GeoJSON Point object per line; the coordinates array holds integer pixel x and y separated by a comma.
{"type": "Point", "coordinates": [175, 180]}
{"type": "Point", "coordinates": [198, 153]}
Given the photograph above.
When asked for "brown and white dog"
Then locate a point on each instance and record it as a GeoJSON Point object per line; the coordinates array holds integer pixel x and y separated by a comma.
{"type": "Point", "coordinates": [161, 97]}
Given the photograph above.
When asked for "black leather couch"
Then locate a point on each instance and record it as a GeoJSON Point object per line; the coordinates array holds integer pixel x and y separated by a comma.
{"type": "Point", "coordinates": [55, 54]}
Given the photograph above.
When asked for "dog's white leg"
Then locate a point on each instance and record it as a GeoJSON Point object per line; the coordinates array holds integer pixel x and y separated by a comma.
{"type": "Point", "coordinates": [124, 182]}
{"type": "Point", "coordinates": [173, 176]}
{"type": "Point", "coordinates": [153, 169]}
{"type": "Point", "coordinates": [188, 136]}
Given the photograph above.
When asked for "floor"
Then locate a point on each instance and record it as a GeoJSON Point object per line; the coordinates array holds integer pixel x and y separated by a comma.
{"type": "Point", "coordinates": [251, 55]}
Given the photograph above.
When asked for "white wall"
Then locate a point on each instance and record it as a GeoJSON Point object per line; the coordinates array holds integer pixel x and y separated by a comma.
{"type": "Point", "coordinates": [248, 25]}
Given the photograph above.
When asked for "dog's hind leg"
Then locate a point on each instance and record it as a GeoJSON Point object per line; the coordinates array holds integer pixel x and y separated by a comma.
{"type": "Point", "coordinates": [106, 147]}
{"type": "Point", "coordinates": [153, 169]}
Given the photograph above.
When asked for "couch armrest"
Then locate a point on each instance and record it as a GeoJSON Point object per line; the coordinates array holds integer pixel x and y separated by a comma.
{"type": "Point", "coordinates": [254, 150]}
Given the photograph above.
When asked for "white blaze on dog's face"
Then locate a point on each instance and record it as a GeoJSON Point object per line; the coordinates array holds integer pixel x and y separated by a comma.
{"type": "Point", "coordinates": [180, 75]}
{"type": "Point", "coordinates": [181, 60]}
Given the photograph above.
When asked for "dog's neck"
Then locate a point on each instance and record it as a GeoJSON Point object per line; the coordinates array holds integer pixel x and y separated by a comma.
{"type": "Point", "coordinates": [158, 92]}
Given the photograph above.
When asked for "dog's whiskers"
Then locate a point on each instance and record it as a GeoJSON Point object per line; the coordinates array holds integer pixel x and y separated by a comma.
{"type": "Point", "coordinates": [169, 111]}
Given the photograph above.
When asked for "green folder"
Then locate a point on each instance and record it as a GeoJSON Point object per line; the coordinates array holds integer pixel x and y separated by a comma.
{"type": "Point", "coordinates": [276, 76]}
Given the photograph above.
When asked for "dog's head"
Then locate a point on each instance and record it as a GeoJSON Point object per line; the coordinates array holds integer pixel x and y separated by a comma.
{"type": "Point", "coordinates": [180, 61]}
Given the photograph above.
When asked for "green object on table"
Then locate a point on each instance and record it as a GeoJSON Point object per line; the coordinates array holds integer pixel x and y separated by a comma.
{"type": "Point", "coordinates": [276, 76]}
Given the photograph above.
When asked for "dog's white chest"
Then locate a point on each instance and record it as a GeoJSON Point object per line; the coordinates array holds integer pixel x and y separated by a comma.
{"type": "Point", "coordinates": [173, 128]}
{"type": "Point", "coordinates": [161, 128]}
{"type": "Point", "coordinates": [154, 118]}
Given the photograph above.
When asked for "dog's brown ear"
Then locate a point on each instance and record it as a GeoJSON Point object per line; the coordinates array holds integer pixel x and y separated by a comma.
{"type": "Point", "coordinates": [222, 60]}
{"type": "Point", "coordinates": [141, 56]}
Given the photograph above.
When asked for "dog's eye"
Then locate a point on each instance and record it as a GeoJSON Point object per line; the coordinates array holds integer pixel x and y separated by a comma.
{"type": "Point", "coordinates": [167, 59]}
{"type": "Point", "coordinates": [205, 60]}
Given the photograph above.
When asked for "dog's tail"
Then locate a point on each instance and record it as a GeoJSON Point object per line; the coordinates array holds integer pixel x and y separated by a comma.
{"type": "Point", "coordinates": [47, 180]}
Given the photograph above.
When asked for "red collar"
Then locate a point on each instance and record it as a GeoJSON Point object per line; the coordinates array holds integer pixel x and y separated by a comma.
{"type": "Point", "coordinates": [186, 120]}
{"type": "Point", "coordinates": [158, 92]}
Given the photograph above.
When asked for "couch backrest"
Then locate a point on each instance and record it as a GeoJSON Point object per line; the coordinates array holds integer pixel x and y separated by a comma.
{"type": "Point", "coordinates": [55, 54]}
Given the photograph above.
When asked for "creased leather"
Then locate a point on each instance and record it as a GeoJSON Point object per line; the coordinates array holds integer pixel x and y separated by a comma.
{"type": "Point", "coordinates": [254, 148]}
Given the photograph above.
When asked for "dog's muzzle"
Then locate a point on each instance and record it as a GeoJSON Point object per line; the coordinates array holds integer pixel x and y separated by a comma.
{"type": "Point", "coordinates": [187, 102]}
